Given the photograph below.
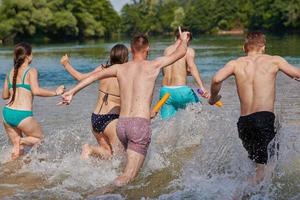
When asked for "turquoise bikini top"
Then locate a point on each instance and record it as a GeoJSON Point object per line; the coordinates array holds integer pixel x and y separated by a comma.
{"type": "Point", "coordinates": [21, 85]}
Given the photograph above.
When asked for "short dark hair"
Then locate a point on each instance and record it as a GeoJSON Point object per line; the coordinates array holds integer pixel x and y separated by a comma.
{"type": "Point", "coordinates": [139, 42]}
{"type": "Point", "coordinates": [183, 30]}
{"type": "Point", "coordinates": [254, 40]}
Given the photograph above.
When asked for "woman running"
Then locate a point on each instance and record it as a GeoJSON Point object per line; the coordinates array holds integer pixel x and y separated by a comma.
{"type": "Point", "coordinates": [104, 118]}
{"type": "Point", "coordinates": [20, 86]}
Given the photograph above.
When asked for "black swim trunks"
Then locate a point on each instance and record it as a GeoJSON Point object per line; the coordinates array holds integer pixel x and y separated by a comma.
{"type": "Point", "coordinates": [99, 122]}
{"type": "Point", "coordinates": [256, 132]}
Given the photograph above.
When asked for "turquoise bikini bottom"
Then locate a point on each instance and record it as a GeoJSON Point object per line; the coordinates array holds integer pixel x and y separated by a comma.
{"type": "Point", "coordinates": [14, 117]}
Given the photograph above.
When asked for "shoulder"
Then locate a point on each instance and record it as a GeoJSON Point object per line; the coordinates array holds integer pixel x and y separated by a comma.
{"type": "Point", "coordinates": [190, 51]}
{"type": "Point", "coordinates": [278, 58]}
{"type": "Point", "coordinates": [169, 49]}
{"type": "Point", "coordinates": [33, 71]}
{"type": "Point", "coordinates": [235, 62]}
{"type": "Point", "coordinates": [98, 68]}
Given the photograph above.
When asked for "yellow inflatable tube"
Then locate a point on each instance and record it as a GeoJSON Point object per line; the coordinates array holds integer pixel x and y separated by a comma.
{"type": "Point", "coordinates": [161, 103]}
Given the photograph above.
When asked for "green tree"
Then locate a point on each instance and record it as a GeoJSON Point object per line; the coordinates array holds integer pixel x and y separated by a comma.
{"type": "Point", "coordinates": [58, 18]}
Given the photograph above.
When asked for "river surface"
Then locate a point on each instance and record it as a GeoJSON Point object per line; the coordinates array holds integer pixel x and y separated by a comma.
{"type": "Point", "coordinates": [196, 155]}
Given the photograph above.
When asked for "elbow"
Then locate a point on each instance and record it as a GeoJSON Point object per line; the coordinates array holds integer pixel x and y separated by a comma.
{"type": "Point", "coordinates": [35, 92]}
{"type": "Point", "coordinates": [4, 97]}
{"type": "Point", "coordinates": [216, 80]}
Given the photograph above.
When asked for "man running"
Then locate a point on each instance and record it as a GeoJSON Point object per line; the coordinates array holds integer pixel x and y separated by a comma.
{"type": "Point", "coordinates": [136, 80]}
{"type": "Point", "coordinates": [255, 76]}
{"type": "Point", "coordinates": [175, 80]}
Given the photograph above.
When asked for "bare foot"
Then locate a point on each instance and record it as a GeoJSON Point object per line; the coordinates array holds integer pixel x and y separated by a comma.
{"type": "Point", "coordinates": [86, 152]}
{"type": "Point", "coordinates": [121, 181]}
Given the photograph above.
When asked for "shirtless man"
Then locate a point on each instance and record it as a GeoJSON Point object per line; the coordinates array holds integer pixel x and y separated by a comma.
{"type": "Point", "coordinates": [255, 76]}
{"type": "Point", "coordinates": [136, 81]}
{"type": "Point", "coordinates": [175, 79]}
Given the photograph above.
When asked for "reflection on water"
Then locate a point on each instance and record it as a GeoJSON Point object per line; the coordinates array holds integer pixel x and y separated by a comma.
{"type": "Point", "coordinates": [196, 155]}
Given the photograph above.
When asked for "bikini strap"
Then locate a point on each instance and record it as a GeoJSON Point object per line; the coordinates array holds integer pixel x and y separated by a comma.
{"type": "Point", "coordinates": [109, 93]}
{"type": "Point", "coordinates": [105, 99]}
{"type": "Point", "coordinates": [24, 75]}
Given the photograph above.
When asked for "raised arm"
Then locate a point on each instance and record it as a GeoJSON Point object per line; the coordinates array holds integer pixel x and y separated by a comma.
{"type": "Point", "coordinates": [65, 61]}
{"type": "Point", "coordinates": [37, 90]}
{"type": "Point", "coordinates": [5, 92]}
{"type": "Point", "coordinates": [176, 55]}
{"type": "Point", "coordinates": [287, 68]}
{"type": "Point", "coordinates": [105, 73]}
{"type": "Point", "coordinates": [190, 58]}
{"type": "Point", "coordinates": [217, 80]}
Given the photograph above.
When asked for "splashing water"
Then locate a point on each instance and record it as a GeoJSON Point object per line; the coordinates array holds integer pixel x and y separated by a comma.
{"type": "Point", "coordinates": [196, 155]}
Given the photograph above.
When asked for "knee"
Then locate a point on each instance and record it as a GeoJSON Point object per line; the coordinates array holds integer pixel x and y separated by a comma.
{"type": "Point", "coordinates": [16, 140]}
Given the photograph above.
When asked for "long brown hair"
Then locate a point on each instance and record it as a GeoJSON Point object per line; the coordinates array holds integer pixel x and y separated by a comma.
{"type": "Point", "coordinates": [118, 55]}
{"type": "Point", "coordinates": [21, 51]}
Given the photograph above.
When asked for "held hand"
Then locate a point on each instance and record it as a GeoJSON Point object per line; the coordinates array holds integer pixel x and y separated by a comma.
{"type": "Point", "coordinates": [214, 100]}
{"type": "Point", "coordinates": [205, 94]}
{"type": "Point", "coordinates": [64, 60]}
{"type": "Point", "coordinates": [66, 98]}
{"type": "Point", "coordinates": [60, 90]}
{"type": "Point", "coordinates": [153, 114]}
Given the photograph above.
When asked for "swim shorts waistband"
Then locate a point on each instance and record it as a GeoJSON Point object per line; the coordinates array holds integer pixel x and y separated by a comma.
{"type": "Point", "coordinates": [260, 113]}
{"type": "Point", "coordinates": [174, 87]}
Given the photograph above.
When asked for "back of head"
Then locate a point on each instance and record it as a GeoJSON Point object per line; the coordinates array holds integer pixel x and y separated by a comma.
{"type": "Point", "coordinates": [177, 34]}
{"type": "Point", "coordinates": [139, 43]}
{"type": "Point", "coordinates": [254, 41]}
{"type": "Point", "coordinates": [118, 54]}
{"type": "Point", "coordinates": [21, 52]}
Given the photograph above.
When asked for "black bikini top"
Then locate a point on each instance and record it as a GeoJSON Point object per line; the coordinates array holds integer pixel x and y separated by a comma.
{"type": "Point", "coordinates": [105, 98]}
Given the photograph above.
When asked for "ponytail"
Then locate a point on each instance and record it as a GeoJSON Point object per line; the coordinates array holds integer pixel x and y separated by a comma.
{"type": "Point", "coordinates": [21, 51]}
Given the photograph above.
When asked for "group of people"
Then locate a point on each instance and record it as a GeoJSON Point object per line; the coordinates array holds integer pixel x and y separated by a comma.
{"type": "Point", "coordinates": [121, 119]}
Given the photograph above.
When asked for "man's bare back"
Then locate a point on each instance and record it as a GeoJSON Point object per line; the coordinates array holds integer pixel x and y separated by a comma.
{"type": "Point", "coordinates": [255, 79]}
{"type": "Point", "coordinates": [137, 81]}
{"type": "Point", "coordinates": [251, 73]}
{"type": "Point", "coordinates": [175, 74]}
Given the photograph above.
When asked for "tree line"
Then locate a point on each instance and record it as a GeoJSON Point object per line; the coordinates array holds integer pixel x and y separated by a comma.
{"type": "Point", "coordinates": [211, 16]}
{"type": "Point", "coordinates": [57, 19]}
{"type": "Point", "coordinates": [81, 19]}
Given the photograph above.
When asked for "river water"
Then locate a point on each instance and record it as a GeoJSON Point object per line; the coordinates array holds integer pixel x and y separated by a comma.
{"type": "Point", "coordinates": [196, 155]}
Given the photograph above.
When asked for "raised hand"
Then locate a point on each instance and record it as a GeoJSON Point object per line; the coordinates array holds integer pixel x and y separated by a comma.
{"type": "Point", "coordinates": [184, 35]}
{"type": "Point", "coordinates": [64, 60]}
{"type": "Point", "coordinates": [60, 90]}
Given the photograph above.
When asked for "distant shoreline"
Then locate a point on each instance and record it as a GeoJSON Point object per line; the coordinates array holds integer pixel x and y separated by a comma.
{"type": "Point", "coordinates": [231, 32]}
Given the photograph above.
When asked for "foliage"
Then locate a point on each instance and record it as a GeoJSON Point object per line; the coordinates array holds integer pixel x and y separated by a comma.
{"type": "Point", "coordinates": [207, 16]}
{"type": "Point", "coordinates": [65, 19]}
{"type": "Point", "coordinates": [61, 19]}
